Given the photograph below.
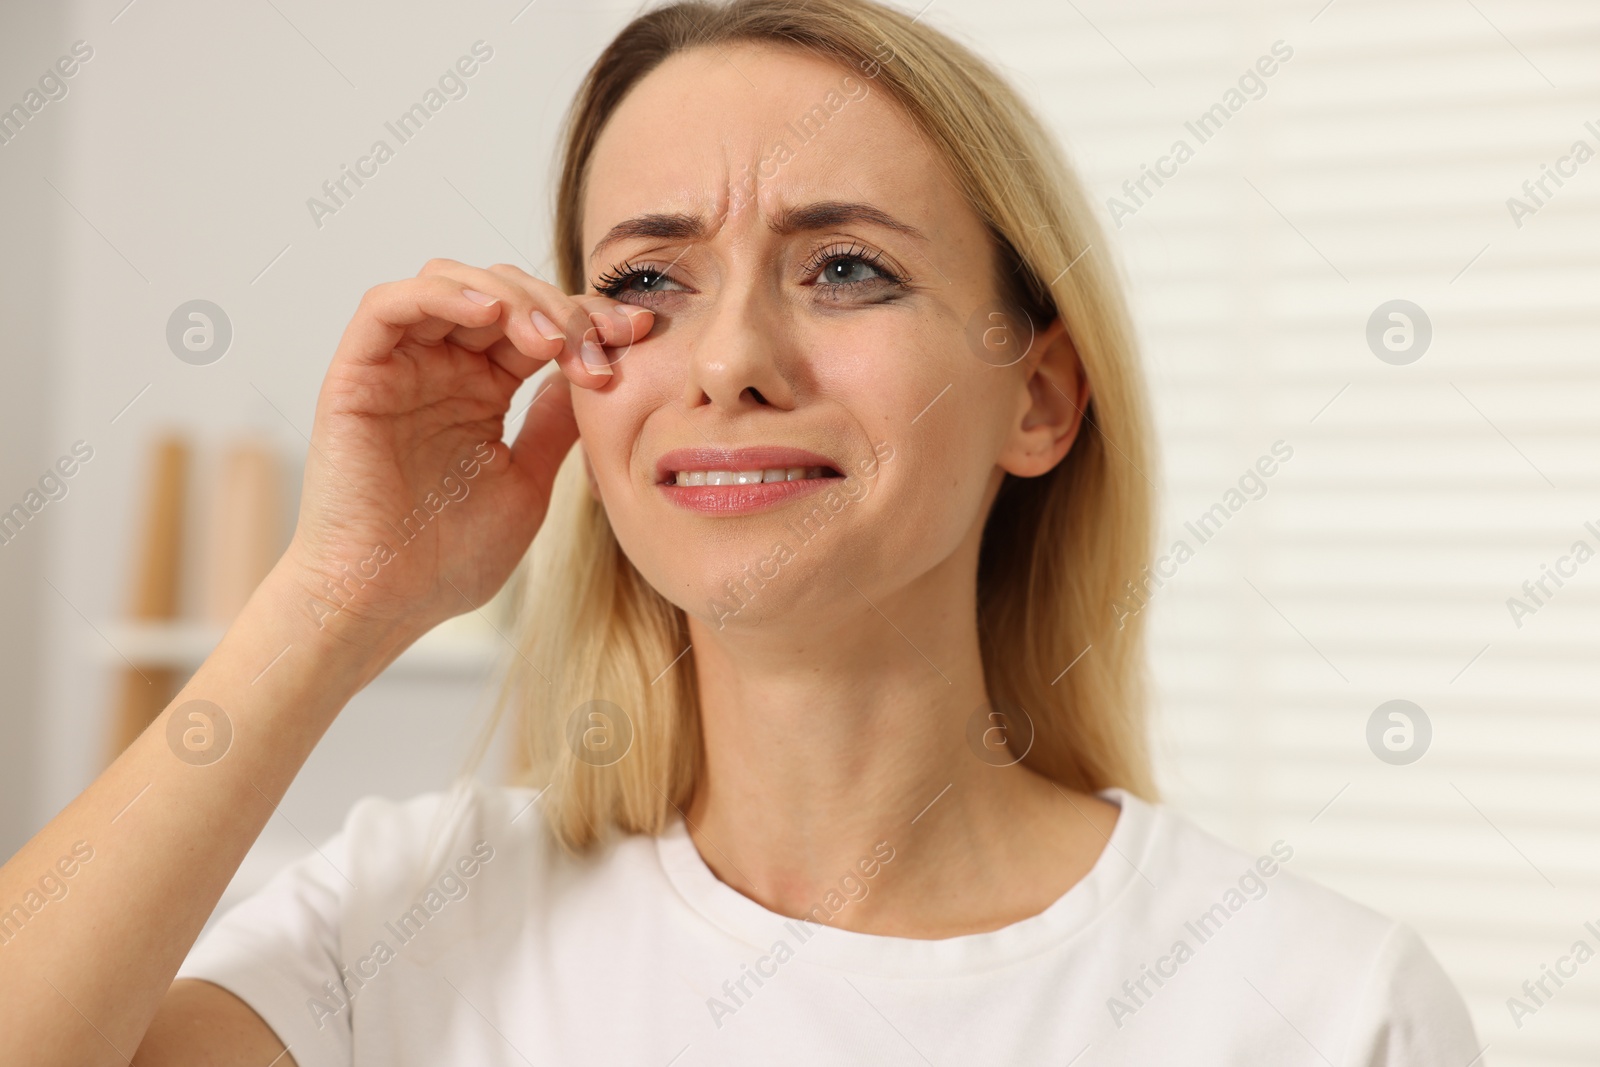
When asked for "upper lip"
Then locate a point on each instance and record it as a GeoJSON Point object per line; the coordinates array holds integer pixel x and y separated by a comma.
{"type": "Point", "coordinates": [758, 457]}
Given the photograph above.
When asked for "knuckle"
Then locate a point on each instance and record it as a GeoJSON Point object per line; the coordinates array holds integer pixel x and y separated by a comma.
{"type": "Point", "coordinates": [574, 317]}
{"type": "Point", "coordinates": [539, 287]}
{"type": "Point", "coordinates": [511, 270]}
{"type": "Point", "coordinates": [521, 284]}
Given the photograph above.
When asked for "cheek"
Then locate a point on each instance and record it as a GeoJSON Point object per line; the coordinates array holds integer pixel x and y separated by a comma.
{"type": "Point", "coordinates": [920, 389]}
{"type": "Point", "coordinates": [606, 434]}
{"type": "Point", "coordinates": [941, 410]}
{"type": "Point", "coordinates": [886, 373]}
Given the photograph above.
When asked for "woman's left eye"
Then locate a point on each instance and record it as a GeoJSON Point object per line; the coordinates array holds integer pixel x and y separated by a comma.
{"type": "Point", "coordinates": [848, 270]}
{"type": "Point", "coordinates": [851, 269]}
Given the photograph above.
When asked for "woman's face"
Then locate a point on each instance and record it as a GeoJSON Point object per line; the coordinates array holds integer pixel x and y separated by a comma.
{"type": "Point", "coordinates": [815, 277]}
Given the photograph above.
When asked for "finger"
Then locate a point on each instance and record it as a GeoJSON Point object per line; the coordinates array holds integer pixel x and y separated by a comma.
{"type": "Point", "coordinates": [427, 308]}
{"type": "Point", "coordinates": [604, 342]}
{"type": "Point", "coordinates": [490, 282]}
{"type": "Point", "coordinates": [540, 322]}
{"type": "Point", "coordinates": [616, 326]}
{"type": "Point", "coordinates": [547, 434]}
{"type": "Point", "coordinates": [518, 340]}
{"type": "Point", "coordinates": [598, 320]}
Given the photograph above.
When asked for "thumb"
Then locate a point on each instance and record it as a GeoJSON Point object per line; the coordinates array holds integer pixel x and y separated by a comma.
{"type": "Point", "coordinates": [547, 434]}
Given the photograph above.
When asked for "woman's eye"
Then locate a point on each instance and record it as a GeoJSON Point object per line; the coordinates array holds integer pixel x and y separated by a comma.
{"type": "Point", "coordinates": [648, 281]}
{"type": "Point", "coordinates": [640, 282]}
{"type": "Point", "coordinates": [848, 270]}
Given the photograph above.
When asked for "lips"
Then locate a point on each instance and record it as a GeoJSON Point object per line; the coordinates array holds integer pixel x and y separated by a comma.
{"type": "Point", "coordinates": [765, 457]}
{"type": "Point", "coordinates": [751, 478]}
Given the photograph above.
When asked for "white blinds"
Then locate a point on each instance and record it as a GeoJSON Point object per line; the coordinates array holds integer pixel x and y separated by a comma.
{"type": "Point", "coordinates": [1373, 165]}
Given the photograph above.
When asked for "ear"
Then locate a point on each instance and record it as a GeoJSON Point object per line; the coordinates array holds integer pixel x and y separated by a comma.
{"type": "Point", "coordinates": [1052, 410]}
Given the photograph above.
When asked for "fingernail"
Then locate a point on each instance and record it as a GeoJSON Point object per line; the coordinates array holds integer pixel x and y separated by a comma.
{"type": "Point", "coordinates": [631, 317]}
{"type": "Point", "coordinates": [594, 360]}
{"type": "Point", "coordinates": [545, 328]}
{"type": "Point", "coordinates": [479, 298]}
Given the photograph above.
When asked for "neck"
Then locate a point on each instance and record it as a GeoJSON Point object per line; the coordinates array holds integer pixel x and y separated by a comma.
{"type": "Point", "coordinates": [833, 743]}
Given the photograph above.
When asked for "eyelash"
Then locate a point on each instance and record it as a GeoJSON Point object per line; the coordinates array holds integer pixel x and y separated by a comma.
{"type": "Point", "coordinates": [615, 281]}
{"type": "Point", "coordinates": [858, 252]}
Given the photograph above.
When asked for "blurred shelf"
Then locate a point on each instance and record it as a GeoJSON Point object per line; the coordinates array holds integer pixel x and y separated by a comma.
{"type": "Point", "coordinates": [467, 644]}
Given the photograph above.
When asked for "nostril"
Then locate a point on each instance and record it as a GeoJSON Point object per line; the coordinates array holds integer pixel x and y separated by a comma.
{"type": "Point", "coordinates": [756, 394]}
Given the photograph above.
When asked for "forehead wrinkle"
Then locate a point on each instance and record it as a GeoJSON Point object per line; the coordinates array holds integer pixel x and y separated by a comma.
{"type": "Point", "coordinates": [682, 224]}
{"type": "Point", "coordinates": [745, 201]}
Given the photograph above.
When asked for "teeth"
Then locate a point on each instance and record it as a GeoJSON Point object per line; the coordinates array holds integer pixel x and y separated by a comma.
{"type": "Point", "coordinates": [753, 477]}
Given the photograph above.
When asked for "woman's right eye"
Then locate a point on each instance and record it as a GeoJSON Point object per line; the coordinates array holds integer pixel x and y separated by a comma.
{"type": "Point", "coordinates": [647, 281]}
{"type": "Point", "coordinates": [636, 282]}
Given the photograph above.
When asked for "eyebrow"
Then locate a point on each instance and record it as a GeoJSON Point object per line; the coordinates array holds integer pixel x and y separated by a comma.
{"type": "Point", "coordinates": [822, 215]}
{"type": "Point", "coordinates": [827, 214]}
{"type": "Point", "coordinates": [678, 226]}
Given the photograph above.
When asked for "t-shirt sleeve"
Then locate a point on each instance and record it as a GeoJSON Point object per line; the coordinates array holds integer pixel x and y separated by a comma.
{"type": "Point", "coordinates": [278, 951]}
{"type": "Point", "coordinates": [1411, 1014]}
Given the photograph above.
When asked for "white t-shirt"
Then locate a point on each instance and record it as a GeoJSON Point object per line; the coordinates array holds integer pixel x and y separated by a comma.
{"type": "Point", "coordinates": [450, 929]}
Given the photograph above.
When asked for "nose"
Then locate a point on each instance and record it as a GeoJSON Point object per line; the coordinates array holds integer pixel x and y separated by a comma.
{"type": "Point", "coordinates": [743, 358]}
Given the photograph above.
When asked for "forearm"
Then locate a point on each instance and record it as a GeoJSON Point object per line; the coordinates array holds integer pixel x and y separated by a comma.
{"type": "Point", "coordinates": [166, 827]}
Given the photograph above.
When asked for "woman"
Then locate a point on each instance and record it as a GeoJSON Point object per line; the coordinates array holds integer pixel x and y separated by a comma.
{"type": "Point", "coordinates": [836, 744]}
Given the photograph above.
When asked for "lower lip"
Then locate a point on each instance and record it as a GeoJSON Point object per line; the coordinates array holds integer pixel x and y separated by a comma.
{"type": "Point", "coordinates": [741, 499]}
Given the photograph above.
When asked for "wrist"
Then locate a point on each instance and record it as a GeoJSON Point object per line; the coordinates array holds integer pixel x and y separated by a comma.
{"type": "Point", "coordinates": [310, 610]}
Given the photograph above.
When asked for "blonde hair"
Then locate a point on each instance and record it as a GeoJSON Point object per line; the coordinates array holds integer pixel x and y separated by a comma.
{"type": "Point", "coordinates": [1056, 548]}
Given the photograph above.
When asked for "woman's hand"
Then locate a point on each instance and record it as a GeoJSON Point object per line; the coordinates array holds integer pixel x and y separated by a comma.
{"type": "Point", "coordinates": [413, 510]}
{"type": "Point", "coordinates": [420, 384]}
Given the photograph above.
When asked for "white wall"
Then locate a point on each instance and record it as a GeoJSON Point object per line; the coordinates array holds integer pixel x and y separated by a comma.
{"type": "Point", "coordinates": [28, 271]}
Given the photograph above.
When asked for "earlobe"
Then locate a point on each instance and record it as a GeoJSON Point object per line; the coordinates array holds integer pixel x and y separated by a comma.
{"type": "Point", "coordinates": [1057, 398]}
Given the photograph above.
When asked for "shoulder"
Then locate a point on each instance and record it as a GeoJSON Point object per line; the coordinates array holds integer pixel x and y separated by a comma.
{"type": "Point", "coordinates": [1189, 868]}
{"type": "Point", "coordinates": [396, 848]}
{"type": "Point", "coordinates": [1298, 948]}
{"type": "Point", "coordinates": [488, 843]}
{"type": "Point", "coordinates": [382, 830]}
{"type": "Point", "coordinates": [406, 889]}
